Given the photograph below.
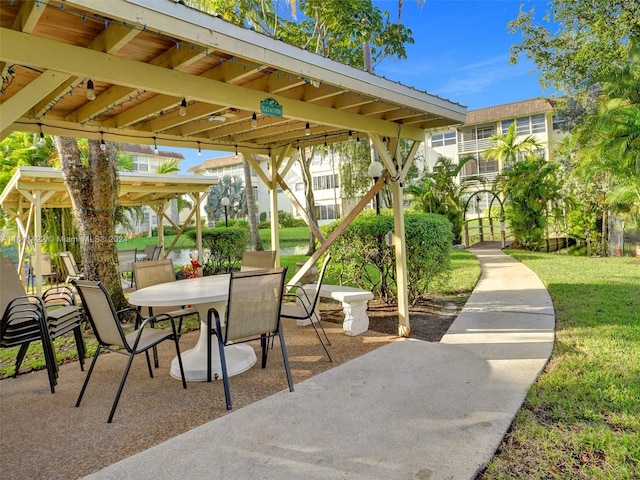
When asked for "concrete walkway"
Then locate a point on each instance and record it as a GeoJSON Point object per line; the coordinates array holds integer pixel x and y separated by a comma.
{"type": "Point", "coordinates": [408, 410]}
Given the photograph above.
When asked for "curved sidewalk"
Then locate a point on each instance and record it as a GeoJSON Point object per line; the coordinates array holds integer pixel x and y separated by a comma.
{"type": "Point", "coordinates": [408, 410]}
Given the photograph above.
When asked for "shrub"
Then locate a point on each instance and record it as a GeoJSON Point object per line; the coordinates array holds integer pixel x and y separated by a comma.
{"type": "Point", "coordinates": [361, 255]}
{"type": "Point", "coordinates": [222, 249]}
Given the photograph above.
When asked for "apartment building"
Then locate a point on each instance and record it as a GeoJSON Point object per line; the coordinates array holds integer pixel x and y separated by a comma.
{"type": "Point", "coordinates": [532, 117]}
{"type": "Point", "coordinates": [146, 159]}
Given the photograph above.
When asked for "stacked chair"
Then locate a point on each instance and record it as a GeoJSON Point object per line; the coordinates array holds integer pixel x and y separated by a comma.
{"type": "Point", "coordinates": [29, 318]}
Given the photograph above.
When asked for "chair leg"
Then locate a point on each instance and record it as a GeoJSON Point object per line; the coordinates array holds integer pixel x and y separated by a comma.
{"type": "Point", "coordinates": [80, 345]}
{"type": "Point", "coordinates": [313, 324]}
{"type": "Point", "coordinates": [285, 357]}
{"type": "Point", "coordinates": [146, 353]}
{"type": "Point", "coordinates": [121, 386]}
{"type": "Point", "coordinates": [315, 314]}
{"type": "Point", "coordinates": [184, 381]}
{"type": "Point", "coordinates": [20, 357]}
{"type": "Point", "coordinates": [264, 344]}
{"type": "Point", "coordinates": [86, 379]}
{"type": "Point", "coordinates": [223, 366]}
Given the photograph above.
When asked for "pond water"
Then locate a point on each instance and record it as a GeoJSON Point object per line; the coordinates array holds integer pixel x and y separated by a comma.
{"type": "Point", "coordinates": [182, 256]}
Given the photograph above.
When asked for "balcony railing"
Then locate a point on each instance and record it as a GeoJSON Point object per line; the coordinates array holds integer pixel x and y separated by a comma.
{"type": "Point", "coordinates": [475, 145]}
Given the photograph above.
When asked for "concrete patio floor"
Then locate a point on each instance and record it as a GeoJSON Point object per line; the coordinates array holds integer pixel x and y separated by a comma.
{"type": "Point", "coordinates": [407, 410]}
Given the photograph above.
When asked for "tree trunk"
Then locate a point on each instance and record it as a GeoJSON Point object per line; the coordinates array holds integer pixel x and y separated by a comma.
{"type": "Point", "coordinates": [305, 166]}
{"type": "Point", "coordinates": [94, 196]}
{"type": "Point", "coordinates": [256, 242]}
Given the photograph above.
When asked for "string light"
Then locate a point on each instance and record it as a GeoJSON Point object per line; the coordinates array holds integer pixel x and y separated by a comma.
{"type": "Point", "coordinates": [91, 93]}
{"type": "Point", "coordinates": [155, 146]}
{"type": "Point", "coordinates": [254, 120]}
{"type": "Point", "coordinates": [350, 136]}
{"type": "Point", "coordinates": [103, 146]}
{"type": "Point", "coordinates": [42, 140]}
{"type": "Point", "coordinates": [183, 107]}
{"type": "Point", "coordinates": [236, 152]}
{"type": "Point", "coordinates": [307, 129]}
{"type": "Point", "coordinates": [199, 150]}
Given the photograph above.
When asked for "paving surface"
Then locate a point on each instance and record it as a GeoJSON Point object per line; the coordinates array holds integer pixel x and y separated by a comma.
{"type": "Point", "coordinates": [407, 410]}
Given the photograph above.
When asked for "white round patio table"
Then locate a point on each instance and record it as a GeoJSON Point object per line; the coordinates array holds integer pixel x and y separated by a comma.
{"type": "Point", "coordinates": [203, 293]}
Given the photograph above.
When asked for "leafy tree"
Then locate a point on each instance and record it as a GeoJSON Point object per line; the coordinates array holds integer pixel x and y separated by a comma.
{"type": "Point", "coordinates": [578, 45]}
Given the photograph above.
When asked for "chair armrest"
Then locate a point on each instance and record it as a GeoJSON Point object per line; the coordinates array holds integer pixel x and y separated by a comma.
{"type": "Point", "coordinates": [138, 316]}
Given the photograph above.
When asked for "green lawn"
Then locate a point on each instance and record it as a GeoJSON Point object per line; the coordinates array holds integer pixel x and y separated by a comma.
{"type": "Point", "coordinates": [288, 237]}
{"type": "Point", "coordinates": [581, 420]}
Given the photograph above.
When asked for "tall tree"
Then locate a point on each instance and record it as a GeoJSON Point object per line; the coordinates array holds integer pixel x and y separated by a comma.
{"type": "Point", "coordinates": [252, 214]}
{"type": "Point", "coordinates": [578, 43]}
{"type": "Point", "coordinates": [93, 188]}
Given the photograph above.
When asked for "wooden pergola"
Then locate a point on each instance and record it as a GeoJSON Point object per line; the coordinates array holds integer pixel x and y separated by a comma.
{"type": "Point", "coordinates": [158, 72]}
{"type": "Point", "coordinates": [33, 188]}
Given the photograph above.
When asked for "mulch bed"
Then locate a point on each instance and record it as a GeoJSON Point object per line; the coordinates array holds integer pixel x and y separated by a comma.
{"type": "Point", "coordinates": [429, 319]}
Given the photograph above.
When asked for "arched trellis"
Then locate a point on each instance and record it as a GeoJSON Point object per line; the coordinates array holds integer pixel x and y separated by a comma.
{"type": "Point", "coordinates": [494, 196]}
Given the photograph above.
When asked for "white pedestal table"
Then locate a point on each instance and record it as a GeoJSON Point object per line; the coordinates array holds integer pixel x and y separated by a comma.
{"type": "Point", "coordinates": [203, 293]}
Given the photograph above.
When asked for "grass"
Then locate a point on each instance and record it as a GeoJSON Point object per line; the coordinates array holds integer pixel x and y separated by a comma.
{"type": "Point", "coordinates": [288, 237]}
{"type": "Point", "coordinates": [581, 420]}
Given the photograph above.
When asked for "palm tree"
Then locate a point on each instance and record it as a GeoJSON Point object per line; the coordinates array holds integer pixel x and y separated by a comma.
{"type": "Point", "coordinates": [507, 148]}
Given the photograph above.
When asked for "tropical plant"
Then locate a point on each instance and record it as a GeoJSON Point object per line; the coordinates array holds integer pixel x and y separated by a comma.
{"type": "Point", "coordinates": [529, 186]}
{"type": "Point", "coordinates": [507, 149]}
{"type": "Point", "coordinates": [232, 188]}
{"type": "Point", "coordinates": [439, 192]}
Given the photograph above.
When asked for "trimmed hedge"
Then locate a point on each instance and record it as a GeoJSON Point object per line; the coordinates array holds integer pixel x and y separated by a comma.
{"type": "Point", "coordinates": [362, 257]}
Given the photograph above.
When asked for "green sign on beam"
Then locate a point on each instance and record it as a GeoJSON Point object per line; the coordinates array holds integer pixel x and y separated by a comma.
{"type": "Point", "coordinates": [269, 106]}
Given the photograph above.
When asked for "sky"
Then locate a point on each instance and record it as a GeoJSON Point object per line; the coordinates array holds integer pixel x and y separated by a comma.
{"type": "Point", "coordinates": [461, 53]}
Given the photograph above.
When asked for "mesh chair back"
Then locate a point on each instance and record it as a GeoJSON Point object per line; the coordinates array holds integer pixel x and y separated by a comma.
{"type": "Point", "coordinates": [73, 272]}
{"type": "Point", "coordinates": [126, 259]}
{"type": "Point", "coordinates": [148, 251]}
{"type": "Point", "coordinates": [314, 302]}
{"type": "Point", "coordinates": [258, 260]}
{"type": "Point", "coordinates": [101, 313]}
{"type": "Point", "coordinates": [10, 284]}
{"type": "Point", "coordinates": [153, 272]}
{"type": "Point", "coordinates": [254, 303]}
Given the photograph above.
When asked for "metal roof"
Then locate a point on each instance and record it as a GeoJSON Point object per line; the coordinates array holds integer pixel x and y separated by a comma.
{"type": "Point", "coordinates": [135, 188]}
{"type": "Point", "coordinates": [144, 57]}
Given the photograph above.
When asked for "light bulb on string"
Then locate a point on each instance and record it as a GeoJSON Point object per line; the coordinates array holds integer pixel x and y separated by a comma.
{"type": "Point", "coordinates": [199, 150]}
{"type": "Point", "coordinates": [155, 146]}
{"type": "Point", "coordinates": [103, 146]}
{"type": "Point", "coordinates": [183, 107]}
{"type": "Point", "coordinates": [307, 129]}
{"type": "Point", "coordinates": [91, 93]}
{"type": "Point", "coordinates": [254, 120]}
{"type": "Point", "coordinates": [236, 157]}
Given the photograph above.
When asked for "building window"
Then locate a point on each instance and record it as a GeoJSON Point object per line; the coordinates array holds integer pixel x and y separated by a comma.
{"type": "Point", "coordinates": [484, 132]}
{"type": "Point", "coordinates": [325, 182]}
{"type": "Point", "coordinates": [526, 125]}
{"type": "Point", "coordinates": [141, 164]}
{"type": "Point", "coordinates": [328, 212]}
{"type": "Point", "coordinates": [442, 139]}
